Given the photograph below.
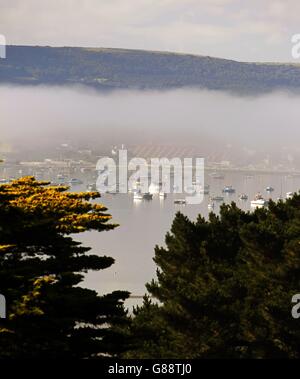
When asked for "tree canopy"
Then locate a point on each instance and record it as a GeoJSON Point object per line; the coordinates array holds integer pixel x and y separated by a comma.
{"type": "Point", "coordinates": [224, 287]}
{"type": "Point", "coordinates": [41, 267]}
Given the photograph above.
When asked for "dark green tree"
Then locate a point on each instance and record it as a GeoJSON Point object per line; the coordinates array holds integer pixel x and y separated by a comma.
{"type": "Point", "coordinates": [224, 287]}
{"type": "Point", "coordinates": [41, 265]}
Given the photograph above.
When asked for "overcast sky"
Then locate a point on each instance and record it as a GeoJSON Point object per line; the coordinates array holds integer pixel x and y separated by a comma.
{"type": "Point", "coordinates": [256, 30]}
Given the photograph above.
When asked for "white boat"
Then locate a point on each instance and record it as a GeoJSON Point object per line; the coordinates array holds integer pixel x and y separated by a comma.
{"type": "Point", "coordinates": [162, 195]}
{"type": "Point", "coordinates": [258, 201]}
{"type": "Point", "coordinates": [289, 195]}
{"type": "Point", "coordinates": [4, 181]}
{"type": "Point", "coordinates": [243, 196]}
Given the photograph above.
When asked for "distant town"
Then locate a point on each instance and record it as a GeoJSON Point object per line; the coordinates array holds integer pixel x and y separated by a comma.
{"type": "Point", "coordinates": [67, 161]}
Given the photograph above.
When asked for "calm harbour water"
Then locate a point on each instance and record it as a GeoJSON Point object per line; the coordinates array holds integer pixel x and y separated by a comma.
{"type": "Point", "coordinates": [143, 224]}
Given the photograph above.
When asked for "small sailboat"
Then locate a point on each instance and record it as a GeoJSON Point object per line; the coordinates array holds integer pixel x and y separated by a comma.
{"type": "Point", "coordinates": [243, 197]}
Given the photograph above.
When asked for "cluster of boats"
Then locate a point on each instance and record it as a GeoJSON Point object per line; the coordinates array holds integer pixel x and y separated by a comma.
{"type": "Point", "coordinates": [257, 202]}
{"type": "Point", "coordinates": [155, 189]}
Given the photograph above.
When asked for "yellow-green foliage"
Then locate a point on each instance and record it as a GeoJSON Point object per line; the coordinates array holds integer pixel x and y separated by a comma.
{"type": "Point", "coordinates": [41, 267]}
{"type": "Point", "coordinates": [72, 212]}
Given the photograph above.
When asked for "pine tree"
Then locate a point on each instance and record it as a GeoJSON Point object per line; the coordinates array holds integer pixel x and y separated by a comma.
{"type": "Point", "coordinates": [224, 287]}
{"type": "Point", "coordinates": [41, 266]}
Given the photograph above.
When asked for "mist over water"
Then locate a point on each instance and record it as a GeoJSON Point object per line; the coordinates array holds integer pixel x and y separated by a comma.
{"type": "Point", "coordinates": [247, 129]}
{"type": "Point", "coordinates": [44, 117]}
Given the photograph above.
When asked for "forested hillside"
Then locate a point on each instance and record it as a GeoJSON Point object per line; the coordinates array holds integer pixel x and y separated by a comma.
{"type": "Point", "coordinates": [107, 69]}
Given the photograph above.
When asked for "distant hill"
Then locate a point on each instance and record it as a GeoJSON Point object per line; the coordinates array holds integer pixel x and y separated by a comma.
{"type": "Point", "coordinates": [108, 69]}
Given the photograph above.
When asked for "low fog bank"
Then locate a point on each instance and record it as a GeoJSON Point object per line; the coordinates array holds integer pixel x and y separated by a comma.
{"type": "Point", "coordinates": [218, 124]}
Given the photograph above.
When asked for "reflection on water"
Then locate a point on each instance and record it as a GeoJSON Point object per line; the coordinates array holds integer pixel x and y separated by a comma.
{"type": "Point", "coordinates": [143, 224]}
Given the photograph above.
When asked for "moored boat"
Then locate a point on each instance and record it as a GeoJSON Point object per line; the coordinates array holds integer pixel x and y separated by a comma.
{"type": "Point", "coordinates": [228, 189]}
{"type": "Point", "coordinates": [180, 201]}
{"type": "Point", "coordinates": [258, 201]}
{"type": "Point", "coordinates": [147, 196]}
{"type": "Point", "coordinates": [217, 198]}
